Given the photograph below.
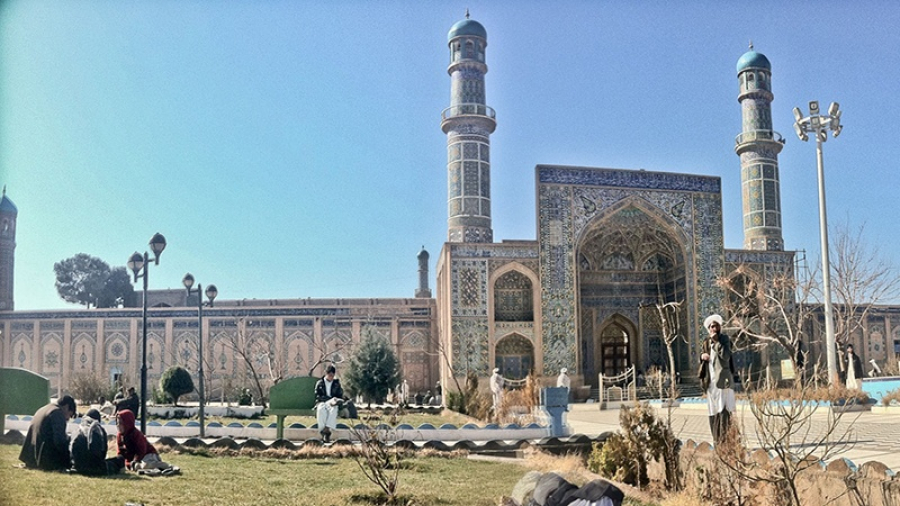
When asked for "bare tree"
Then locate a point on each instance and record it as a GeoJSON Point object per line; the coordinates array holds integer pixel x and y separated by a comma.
{"type": "Point", "coordinates": [792, 439]}
{"type": "Point", "coordinates": [252, 353]}
{"type": "Point", "coordinates": [862, 279]}
{"type": "Point", "coordinates": [771, 314]}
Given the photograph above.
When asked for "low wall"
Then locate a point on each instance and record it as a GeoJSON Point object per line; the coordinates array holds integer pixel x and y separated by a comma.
{"type": "Point", "coordinates": [300, 432]}
{"type": "Point", "coordinates": [840, 483]}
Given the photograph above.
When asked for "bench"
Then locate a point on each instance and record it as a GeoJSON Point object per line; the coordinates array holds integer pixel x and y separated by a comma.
{"type": "Point", "coordinates": [22, 392]}
{"type": "Point", "coordinates": [292, 397]}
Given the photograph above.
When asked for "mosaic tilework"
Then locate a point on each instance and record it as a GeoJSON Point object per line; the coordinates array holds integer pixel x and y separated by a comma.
{"type": "Point", "coordinates": [469, 345]}
{"type": "Point", "coordinates": [52, 351]}
{"type": "Point", "coordinates": [693, 203]}
{"type": "Point", "coordinates": [116, 347]}
{"type": "Point", "coordinates": [83, 351]}
{"type": "Point", "coordinates": [469, 288]}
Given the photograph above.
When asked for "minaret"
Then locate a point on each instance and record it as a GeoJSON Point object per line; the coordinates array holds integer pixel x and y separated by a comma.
{"type": "Point", "coordinates": [468, 123]}
{"type": "Point", "coordinates": [423, 291]}
{"type": "Point", "coordinates": [758, 146]}
{"type": "Point", "coordinates": [8, 213]}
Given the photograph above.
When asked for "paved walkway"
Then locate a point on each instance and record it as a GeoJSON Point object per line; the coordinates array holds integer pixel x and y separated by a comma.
{"type": "Point", "coordinates": [873, 436]}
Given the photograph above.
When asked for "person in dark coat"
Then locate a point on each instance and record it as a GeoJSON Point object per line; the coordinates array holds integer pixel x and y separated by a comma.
{"type": "Point", "coordinates": [131, 402]}
{"type": "Point", "coordinates": [46, 445]}
{"type": "Point", "coordinates": [89, 447]}
{"type": "Point", "coordinates": [716, 375]}
{"type": "Point", "coordinates": [329, 400]}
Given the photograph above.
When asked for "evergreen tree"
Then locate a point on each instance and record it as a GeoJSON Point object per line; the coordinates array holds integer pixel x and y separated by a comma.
{"type": "Point", "coordinates": [87, 280]}
{"type": "Point", "coordinates": [175, 382]}
{"type": "Point", "coordinates": [374, 369]}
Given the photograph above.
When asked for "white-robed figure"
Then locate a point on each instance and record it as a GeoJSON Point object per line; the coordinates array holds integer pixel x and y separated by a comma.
{"type": "Point", "coordinates": [329, 398]}
{"type": "Point", "coordinates": [717, 377]}
{"type": "Point", "coordinates": [563, 380]}
{"type": "Point", "coordinates": [404, 393]}
{"type": "Point", "coordinates": [497, 389]}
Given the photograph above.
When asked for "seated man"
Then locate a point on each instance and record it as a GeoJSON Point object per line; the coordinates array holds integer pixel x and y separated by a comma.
{"type": "Point", "coordinates": [46, 445]}
{"type": "Point", "coordinates": [329, 399]}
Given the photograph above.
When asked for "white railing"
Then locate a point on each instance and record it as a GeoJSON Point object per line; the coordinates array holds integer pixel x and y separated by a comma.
{"type": "Point", "coordinates": [618, 388]}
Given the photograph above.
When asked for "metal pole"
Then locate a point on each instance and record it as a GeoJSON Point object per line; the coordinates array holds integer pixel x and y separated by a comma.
{"type": "Point", "coordinates": [826, 269]}
{"type": "Point", "coordinates": [144, 351]}
{"type": "Point", "coordinates": [200, 349]}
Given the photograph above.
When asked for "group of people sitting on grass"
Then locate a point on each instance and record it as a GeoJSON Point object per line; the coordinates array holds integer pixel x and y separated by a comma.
{"type": "Point", "coordinates": [48, 447]}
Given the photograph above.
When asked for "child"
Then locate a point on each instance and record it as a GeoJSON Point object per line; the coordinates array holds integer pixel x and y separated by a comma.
{"type": "Point", "coordinates": [134, 450]}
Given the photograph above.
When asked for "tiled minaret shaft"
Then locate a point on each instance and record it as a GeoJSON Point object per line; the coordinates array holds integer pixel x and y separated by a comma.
{"type": "Point", "coordinates": [468, 123]}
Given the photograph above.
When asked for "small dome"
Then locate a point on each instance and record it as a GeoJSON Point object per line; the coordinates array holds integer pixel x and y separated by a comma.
{"type": "Point", "coordinates": [467, 27]}
{"type": "Point", "coordinates": [752, 59]}
{"type": "Point", "coordinates": [423, 255]}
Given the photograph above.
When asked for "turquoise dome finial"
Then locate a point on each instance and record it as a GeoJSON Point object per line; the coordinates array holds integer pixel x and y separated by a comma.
{"type": "Point", "coordinates": [467, 26]}
{"type": "Point", "coordinates": [752, 59]}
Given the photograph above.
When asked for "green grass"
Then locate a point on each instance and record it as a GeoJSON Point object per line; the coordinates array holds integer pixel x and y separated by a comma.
{"type": "Point", "coordinates": [260, 481]}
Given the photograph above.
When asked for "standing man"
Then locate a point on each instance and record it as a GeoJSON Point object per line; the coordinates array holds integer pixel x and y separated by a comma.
{"type": "Point", "coordinates": [46, 445]}
{"type": "Point", "coordinates": [329, 398]}
{"type": "Point", "coordinates": [131, 402]}
{"type": "Point", "coordinates": [717, 377]}
{"type": "Point", "coordinates": [497, 389]}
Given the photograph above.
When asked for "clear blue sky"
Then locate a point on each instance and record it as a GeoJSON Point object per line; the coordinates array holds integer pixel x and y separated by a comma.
{"type": "Point", "coordinates": [293, 149]}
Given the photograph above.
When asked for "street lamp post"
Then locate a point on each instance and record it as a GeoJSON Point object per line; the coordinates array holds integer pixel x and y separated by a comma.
{"type": "Point", "coordinates": [819, 125]}
{"type": "Point", "coordinates": [136, 263]}
{"type": "Point", "coordinates": [211, 293]}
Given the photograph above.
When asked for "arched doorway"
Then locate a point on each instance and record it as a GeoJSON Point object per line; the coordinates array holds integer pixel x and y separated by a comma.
{"type": "Point", "coordinates": [613, 346]}
{"type": "Point", "coordinates": [514, 356]}
{"type": "Point", "coordinates": [628, 259]}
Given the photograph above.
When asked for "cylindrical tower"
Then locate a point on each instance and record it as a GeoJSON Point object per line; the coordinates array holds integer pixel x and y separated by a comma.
{"type": "Point", "coordinates": [8, 213]}
{"type": "Point", "coordinates": [468, 123]}
{"type": "Point", "coordinates": [758, 146]}
{"type": "Point", "coordinates": [423, 291]}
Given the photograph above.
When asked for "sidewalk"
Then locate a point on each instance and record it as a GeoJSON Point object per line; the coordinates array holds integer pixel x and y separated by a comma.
{"type": "Point", "coordinates": [873, 437]}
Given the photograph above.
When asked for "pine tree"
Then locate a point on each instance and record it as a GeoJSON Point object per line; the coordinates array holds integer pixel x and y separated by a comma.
{"type": "Point", "coordinates": [374, 369]}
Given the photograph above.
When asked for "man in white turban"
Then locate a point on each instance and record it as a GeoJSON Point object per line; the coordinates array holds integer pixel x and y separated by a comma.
{"type": "Point", "coordinates": [717, 377]}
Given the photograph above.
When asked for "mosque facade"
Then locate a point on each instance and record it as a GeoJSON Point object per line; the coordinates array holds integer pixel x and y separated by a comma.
{"type": "Point", "coordinates": [610, 244]}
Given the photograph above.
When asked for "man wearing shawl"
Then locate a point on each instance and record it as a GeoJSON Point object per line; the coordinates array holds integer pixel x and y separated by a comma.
{"type": "Point", "coordinates": [717, 377]}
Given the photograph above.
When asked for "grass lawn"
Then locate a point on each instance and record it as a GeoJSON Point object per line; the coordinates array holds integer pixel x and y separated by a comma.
{"type": "Point", "coordinates": [258, 481]}
{"type": "Point", "coordinates": [269, 481]}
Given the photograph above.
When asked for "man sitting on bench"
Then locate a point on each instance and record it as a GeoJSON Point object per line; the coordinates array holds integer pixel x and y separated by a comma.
{"type": "Point", "coordinates": [329, 399]}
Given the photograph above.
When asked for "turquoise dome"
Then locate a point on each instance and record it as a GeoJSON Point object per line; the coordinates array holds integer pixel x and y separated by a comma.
{"type": "Point", "coordinates": [467, 27]}
{"type": "Point", "coordinates": [752, 59]}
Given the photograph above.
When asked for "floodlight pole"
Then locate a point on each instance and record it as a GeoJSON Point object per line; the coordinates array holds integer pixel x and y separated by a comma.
{"type": "Point", "coordinates": [819, 125]}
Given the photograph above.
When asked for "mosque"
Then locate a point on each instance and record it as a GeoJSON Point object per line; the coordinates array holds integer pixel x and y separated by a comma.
{"type": "Point", "coordinates": [610, 244]}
